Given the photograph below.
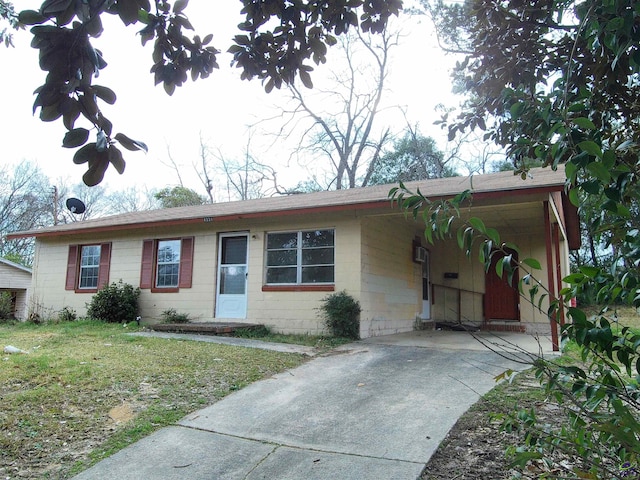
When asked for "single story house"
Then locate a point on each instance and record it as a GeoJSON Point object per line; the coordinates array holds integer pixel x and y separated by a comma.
{"type": "Point", "coordinates": [16, 279]}
{"type": "Point", "coordinates": [273, 260]}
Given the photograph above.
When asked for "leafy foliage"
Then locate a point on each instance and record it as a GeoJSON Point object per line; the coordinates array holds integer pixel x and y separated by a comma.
{"type": "Point", "coordinates": [6, 306]}
{"type": "Point", "coordinates": [278, 40]}
{"type": "Point", "coordinates": [117, 302]}
{"type": "Point", "coordinates": [67, 314]}
{"type": "Point", "coordinates": [601, 391]}
{"type": "Point", "coordinates": [558, 82]}
{"type": "Point", "coordinates": [179, 197]}
{"type": "Point", "coordinates": [9, 15]}
{"type": "Point", "coordinates": [414, 157]}
{"type": "Point", "coordinates": [341, 314]}
{"type": "Point", "coordinates": [172, 316]}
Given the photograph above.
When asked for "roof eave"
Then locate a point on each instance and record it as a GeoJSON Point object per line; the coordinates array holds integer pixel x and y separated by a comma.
{"type": "Point", "coordinates": [370, 205]}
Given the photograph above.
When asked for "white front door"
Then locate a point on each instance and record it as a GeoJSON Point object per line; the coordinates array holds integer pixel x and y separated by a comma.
{"type": "Point", "coordinates": [426, 289]}
{"type": "Point", "coordinates": [231, 299]}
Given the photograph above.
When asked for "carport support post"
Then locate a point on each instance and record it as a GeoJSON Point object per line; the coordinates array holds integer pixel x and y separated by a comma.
{"type": "Point", "coordinates": [556, 243]}
{"type": "Point", "coordinates": [548, 236]}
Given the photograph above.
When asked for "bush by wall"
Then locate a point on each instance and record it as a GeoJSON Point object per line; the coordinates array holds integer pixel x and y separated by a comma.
{"type": "Point", "coordinates": [67, 314]}
{"type": "Point", "coordinates": [341, 314]}
{"type": "Point", "coordinates": [172, 316]}
{"type": "Point", "coordinates": [117, 302]}
{"type": "Point", "coordinates": [6, 309]}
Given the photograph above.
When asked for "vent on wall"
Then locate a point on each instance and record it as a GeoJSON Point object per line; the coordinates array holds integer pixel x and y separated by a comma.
{"type": "Point", "coordinates": [420, 254]}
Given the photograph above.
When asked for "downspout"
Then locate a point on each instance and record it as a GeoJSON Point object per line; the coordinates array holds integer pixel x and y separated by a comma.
{"type": "Point", "coordinates": [550, 280]}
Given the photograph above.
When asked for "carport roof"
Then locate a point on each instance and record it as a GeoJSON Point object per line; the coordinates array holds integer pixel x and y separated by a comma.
{"type": "Point", "coordinates": [17, 266]}
{"type": "Point", "coordinates": [540, 180]}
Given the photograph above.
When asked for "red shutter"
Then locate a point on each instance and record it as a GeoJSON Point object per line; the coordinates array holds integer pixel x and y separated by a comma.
{"type": "Point", "coordinates": [105, 265]}
{"type": "Point", "coordinates": [186, 262]}
{"type": "Point", "coordinates": [72, 268]}
{"type": "Point", "coordinates": [146, 269]}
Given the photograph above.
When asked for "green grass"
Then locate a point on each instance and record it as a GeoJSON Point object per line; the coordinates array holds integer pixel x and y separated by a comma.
{"type": "Point", "coordinates": [56, 400]}
{"type": "Point", "coordinates": [620, 316]}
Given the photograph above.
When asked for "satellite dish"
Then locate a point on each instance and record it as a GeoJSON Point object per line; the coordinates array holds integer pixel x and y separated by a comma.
{"type": "Point", "coordinates": [75, 206]}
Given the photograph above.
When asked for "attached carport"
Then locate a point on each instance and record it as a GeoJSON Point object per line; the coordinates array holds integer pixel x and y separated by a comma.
{"type": "Point", "coordinates": [16, 279]}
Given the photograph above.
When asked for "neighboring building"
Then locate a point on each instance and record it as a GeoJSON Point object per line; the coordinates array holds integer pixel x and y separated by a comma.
{"type": "Point", "coordinates": [16, 279]}
{"type": "Point", "coordinates": [272, 260]}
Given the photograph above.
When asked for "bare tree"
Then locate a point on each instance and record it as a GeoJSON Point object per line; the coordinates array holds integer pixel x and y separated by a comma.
{"type": "Point", "coordinates": [203, 170]}
{"type": "Point", "coordinates": [337, 124]}
{"type": "Point", "coordinates": [174, 165]}
{"type": "Point", "coordinates": [241, 178]}
{"type": "Point", "coordinates": [26, 202]}
{"type": "Point", "coordinates": [131, 200]}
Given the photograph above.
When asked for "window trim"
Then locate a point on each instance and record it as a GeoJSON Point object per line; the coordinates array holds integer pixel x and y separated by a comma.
{"type": "Point", "coordinates": [158, 263]}
{"type": "Point", "coordinates": [299, 286]}
{"type": "Point", "coordinates": [74, 259]}
{"type": "Point", "coordinates": [81, 250]}
{"type": "Point", "coordinates": [149, 264]}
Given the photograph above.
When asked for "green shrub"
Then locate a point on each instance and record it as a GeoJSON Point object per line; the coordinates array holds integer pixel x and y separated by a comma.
{"type": "Point", "coordinates": [171, 316]}
{"type": "Point", "coordinates": [260, 331]}
{"type": "Point", "coordinates": [6, 306]}
{"type": "Point", "coordinates": [67, 314]}
{"type": "Point", "coordinates": [117, 302]}
{"type": "Point", "coordinates": [341, 314]}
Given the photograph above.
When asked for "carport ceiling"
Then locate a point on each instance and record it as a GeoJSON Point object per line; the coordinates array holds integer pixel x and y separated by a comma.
{"type": "Point", "coordinates": [525, 218]}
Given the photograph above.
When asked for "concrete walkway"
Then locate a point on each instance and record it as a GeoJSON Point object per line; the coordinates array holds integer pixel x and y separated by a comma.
{"type": "Point", "coordinates": [371, 409]}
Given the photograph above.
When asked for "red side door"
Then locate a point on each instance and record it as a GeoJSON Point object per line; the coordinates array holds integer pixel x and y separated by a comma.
{"type": "Point", "coordinates": [501, 298]}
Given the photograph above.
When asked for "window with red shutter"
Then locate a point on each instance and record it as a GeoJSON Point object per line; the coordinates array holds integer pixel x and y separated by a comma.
{"type": "Point", "coordinates": [88, 267]}
{"type": "Point", "coordinates": [72, 268]}
{"type": "Point", "coordinates": [155, 266]}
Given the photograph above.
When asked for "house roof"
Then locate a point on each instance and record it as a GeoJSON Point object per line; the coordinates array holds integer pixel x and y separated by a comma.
{"type": "Point", "coordinates": [487, 185]}
{"type": "Point", "coordinates": [15, 265]}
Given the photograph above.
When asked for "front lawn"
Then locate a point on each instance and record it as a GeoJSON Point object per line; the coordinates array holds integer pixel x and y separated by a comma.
{"type": "Point", "coordinates": [86, 390]}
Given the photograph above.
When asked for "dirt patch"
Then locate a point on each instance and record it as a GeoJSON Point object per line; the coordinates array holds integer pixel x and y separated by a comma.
{"type": "Point", "coordinates": [122, 413]}
{"type": "Point", "coordinates": [475, 448]}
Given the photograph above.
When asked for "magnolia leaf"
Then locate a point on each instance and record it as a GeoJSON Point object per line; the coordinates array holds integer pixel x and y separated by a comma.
{"type": "Point", "coordinates": [104, 93]}
{"type": "Point", "coordinates": [493, 234]}
{"type": "Point", "coordinates": [53, 8]}
{"type": "Point", "coordinates": [478, 224]}
{"type": "Point", "coordinates": [590, 272]}
{"type": "Point", "coordinates": [460, 237]}
{"type": "Point", "coordinates": [574, 197]}
{"type": "Point", "coordinates": [584, 122]}
{"type": "Point", "coordinates": [600, 171]}
{"type": "Point", "coordinates": [97, 169]}
{"type": "Point", "coordinates": [130, 144]}
{"type": "Point", "coordinates": [532, 263]}
{"type": "Point", "coordinates": [50, 113]}
{"type": "Point", "coordinates": [75, 138]}
{"type": "Point", "coordinates": [179, 6]}
{"type": "Point", "coordinates": [592, 148]}
{"type": "Point", "coordinates": [169, 88]}
{"type": "Point", "coordinates": [86, 153]}
{"type": "Point", "coordinates": [306, 79]}
{"type": "Point", "coordinates": [115, 157]}
{"type": "Point", "coordinates": [31, 17]}
{"type": "Point", "coordinates": [128, 12]}
{"type": "Point", "coordinates": [500, 267]}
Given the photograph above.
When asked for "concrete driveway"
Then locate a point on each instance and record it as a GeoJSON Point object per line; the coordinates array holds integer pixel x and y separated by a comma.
{"type": "Point", "coordinates": [371, 409]}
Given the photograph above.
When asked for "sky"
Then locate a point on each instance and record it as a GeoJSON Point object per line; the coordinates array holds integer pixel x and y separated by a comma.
{"type": "Point", "coordinates": [218, 109]}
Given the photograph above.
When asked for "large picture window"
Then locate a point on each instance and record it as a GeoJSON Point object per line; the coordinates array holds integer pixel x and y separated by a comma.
{"type": "Point", "coordinates": [167, 264]}
{"type": "Point", "coordinates": [300, 258]}
{"type": "Point", "coordinates": [88, 267]}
